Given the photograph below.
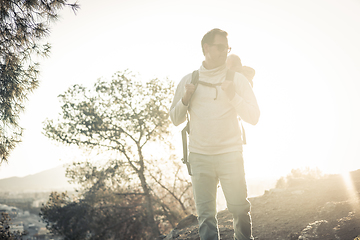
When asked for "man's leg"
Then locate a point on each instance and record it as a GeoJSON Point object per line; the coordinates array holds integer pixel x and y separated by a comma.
{"type": "Point", "coordinates": [232, 179]}
{"type": "Point", "coordinates": [204, 183]}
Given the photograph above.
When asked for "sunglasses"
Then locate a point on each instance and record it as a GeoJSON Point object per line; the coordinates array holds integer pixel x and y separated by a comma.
{"type": "Point", "coordinates": [221, 47]}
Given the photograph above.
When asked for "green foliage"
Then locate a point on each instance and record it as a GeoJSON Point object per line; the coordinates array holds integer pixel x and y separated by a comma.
{"type": "Point", "coordinates": [298, 177]}
{"type": "Point", "coordinates": [23, 25]}
{"type": "Point", "coordinates": [115, 115]}
{"type": "Point", "coordinates": [89, 177]}
{"type": "Point", "coordinates": [5, 233]}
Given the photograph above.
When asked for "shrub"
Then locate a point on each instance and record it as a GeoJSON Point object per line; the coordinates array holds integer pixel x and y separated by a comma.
{"type": "Point", "coordinates": [299, 177]}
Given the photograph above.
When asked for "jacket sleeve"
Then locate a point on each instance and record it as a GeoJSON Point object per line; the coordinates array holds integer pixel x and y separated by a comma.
{"type": "Point", "coordinates": [178, 109]}
{"type": "Point", "coordinates": [244, 101]}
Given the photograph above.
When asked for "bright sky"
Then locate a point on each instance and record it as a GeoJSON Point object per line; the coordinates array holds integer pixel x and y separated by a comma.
{"type": "Point", "coordinates": [305, 53]}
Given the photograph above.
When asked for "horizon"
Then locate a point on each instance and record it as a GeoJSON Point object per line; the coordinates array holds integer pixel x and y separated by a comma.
{"type": "Point", "coordinates": [257, 187]}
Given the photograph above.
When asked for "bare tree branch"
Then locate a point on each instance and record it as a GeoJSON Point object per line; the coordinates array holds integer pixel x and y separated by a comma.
{"type": "Point", "coordinates": [171, 193]}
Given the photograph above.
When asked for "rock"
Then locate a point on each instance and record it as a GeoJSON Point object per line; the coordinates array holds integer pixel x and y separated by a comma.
{"type": "Point", "coordinates": [348, 227]}
{"type": "Point", "coordinates": [184, 223]}
{"type": "Point", "coordinates": [311, 231]}
{"type": "Point", "coordinates": [188, 221]}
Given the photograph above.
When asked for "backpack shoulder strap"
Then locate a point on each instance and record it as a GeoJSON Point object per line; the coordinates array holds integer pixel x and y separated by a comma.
{"type": "Point", "coordinates": [230, 74]}
{"type": "Point", "coordinates": [195, 81]}
{"type": "Point", "coordinates": [195, 77]}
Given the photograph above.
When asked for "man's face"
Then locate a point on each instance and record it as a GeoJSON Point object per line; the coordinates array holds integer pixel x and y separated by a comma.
{"type": "Point", "coordinates": [216, 53]}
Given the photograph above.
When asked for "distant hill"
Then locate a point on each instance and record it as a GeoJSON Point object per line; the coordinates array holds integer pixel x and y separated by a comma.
{"type": "Point", "coordinates": [48, 180]}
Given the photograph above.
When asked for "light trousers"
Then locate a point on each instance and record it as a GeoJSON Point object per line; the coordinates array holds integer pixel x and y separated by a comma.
{"type": "Point", "coordinates": [207, 171]}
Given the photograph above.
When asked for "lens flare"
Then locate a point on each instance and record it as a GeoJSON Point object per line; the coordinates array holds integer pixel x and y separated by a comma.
{"type": "Point", "coordinates": [351, 190]}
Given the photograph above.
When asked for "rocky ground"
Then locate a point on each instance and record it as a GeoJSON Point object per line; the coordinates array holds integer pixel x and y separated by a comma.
{"type": "Point", "coordinates": [310, 209]}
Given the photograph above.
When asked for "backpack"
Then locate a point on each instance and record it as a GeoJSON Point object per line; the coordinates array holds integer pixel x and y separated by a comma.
{"type": "Point", "coordinates": [186, 130]}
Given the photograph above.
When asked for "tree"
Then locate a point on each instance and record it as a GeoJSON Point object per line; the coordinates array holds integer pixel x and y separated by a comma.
{"type": "Point", "coordinates": [130, 118]}
{"type": "Point", "coordinates": [5, 231]}
{"type": "Point", "coordinates": [23, 25]}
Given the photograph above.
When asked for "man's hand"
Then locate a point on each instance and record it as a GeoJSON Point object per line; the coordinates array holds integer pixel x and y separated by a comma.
{"type": "Point", "coordinates": [190, 89]}
{"type": "Point", "coordinates": [229, 88]}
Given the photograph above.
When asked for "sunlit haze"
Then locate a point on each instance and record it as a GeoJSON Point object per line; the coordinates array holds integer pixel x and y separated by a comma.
{"type": "Point", "coordinates": [351, 190]}
{"type": "Point", "coordinates": [305, 53]}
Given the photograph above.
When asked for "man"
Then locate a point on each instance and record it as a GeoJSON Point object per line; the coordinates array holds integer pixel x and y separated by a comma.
{"type": "Point", "coordinates": [215, 137]}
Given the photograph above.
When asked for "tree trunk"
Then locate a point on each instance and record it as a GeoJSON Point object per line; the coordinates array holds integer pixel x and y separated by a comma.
{"type": "Point", "coordinates": [149, 209]}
